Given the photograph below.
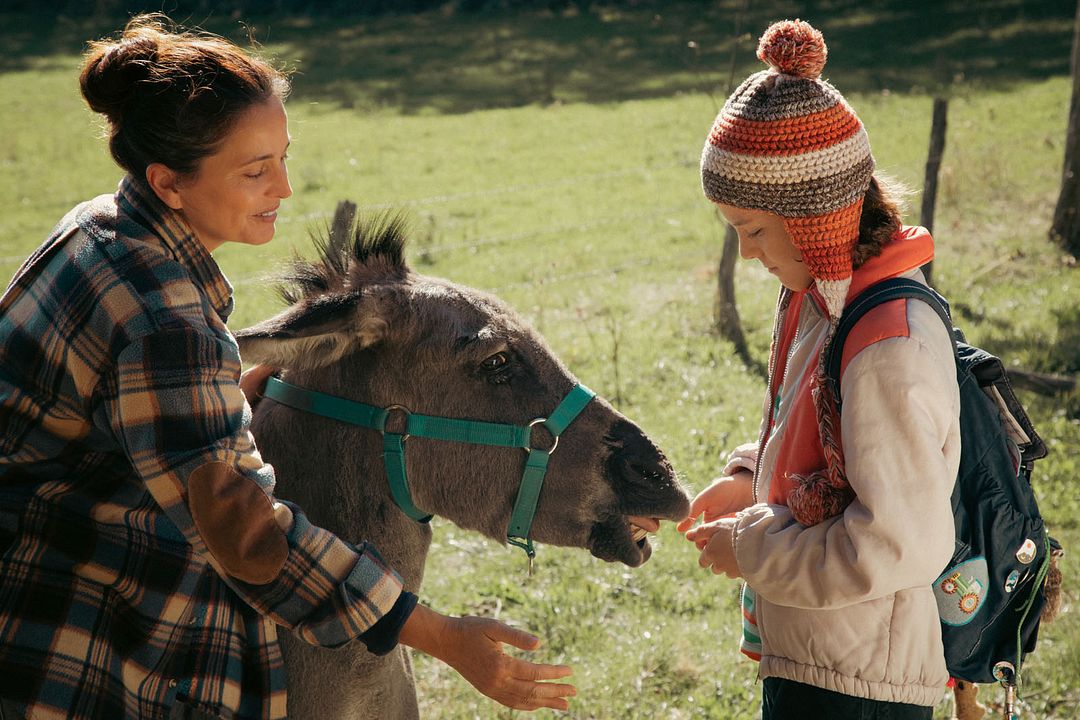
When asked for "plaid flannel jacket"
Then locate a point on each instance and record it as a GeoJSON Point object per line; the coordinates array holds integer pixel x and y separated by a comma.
{"type": "Point", "coordinates": [144, 561]}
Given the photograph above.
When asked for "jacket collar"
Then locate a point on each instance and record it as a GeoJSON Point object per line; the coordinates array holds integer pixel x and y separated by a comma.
{"type": "Point", "coordinates": [139, 204]}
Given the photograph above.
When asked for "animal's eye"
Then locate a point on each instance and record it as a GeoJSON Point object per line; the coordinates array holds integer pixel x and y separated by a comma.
{"type": "Point", "coordinates": [495, 362]}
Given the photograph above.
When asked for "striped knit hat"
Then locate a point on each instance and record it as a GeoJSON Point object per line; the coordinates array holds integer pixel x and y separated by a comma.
{"type": "Point", "coordinates": [788, 143]}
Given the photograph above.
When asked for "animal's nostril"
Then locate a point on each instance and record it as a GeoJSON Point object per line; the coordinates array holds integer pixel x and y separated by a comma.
{"type": "Point", "coordinates": [624, 433]}
{"type": "Point", "coordinates": [634, 451]}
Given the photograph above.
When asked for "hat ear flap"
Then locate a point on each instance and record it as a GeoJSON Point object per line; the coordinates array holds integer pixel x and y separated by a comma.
{"type": "Point", "coordinates": [834, 292]}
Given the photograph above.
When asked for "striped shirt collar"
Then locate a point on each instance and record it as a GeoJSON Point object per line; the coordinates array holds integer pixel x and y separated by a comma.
{"type": "Point", "coordinates": [135, 199]}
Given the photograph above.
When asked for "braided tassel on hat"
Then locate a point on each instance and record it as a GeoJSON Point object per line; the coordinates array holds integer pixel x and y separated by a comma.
{"type": "Point", "coordinates": [825, 493]}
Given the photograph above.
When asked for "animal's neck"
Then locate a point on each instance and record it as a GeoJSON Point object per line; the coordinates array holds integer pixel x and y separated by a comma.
{"type": "Point", "coordinates": [470, 485]}
{"type": "Point", "coordinates": [335, 473]}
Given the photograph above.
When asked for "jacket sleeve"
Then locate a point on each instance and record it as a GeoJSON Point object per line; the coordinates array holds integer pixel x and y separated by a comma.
{"type": "Point", "coordinates": [177, 410]}
{"type": "Point", "coordinates": [901, 445]}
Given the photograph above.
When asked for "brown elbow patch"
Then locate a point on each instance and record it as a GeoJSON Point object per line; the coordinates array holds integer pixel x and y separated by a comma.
{"type": "Point", "coordinates": [236, 520]}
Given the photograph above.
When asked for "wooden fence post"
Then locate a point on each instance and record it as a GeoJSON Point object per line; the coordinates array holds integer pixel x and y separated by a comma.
{"type": "Point", "coordinates": [933, 166]}
{"type": "Point", "coordinates": [726, 312]}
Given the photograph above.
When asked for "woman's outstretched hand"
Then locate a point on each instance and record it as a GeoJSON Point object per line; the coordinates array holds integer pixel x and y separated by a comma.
{"type": "Point", "coordinates": [473, 647]}
{"type": "Point", "coordinates": [726, 495]}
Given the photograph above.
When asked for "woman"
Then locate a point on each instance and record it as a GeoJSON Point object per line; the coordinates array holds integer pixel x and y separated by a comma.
{"type": "Point", "coordinates": [144, 561]}
{"type": "Point", "coordinates": [838, 542]}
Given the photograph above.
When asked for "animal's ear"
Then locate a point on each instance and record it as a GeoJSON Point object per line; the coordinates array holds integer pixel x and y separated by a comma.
{"type": "Point", "coordinates": [314, 333]}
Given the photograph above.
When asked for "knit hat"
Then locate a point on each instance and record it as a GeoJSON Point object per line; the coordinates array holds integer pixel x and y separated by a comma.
{"type": "Point", "coordinates": [788, 143]}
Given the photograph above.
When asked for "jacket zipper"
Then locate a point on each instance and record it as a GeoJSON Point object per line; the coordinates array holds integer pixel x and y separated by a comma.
{"type": "Point", "coordinates": [783, 303]}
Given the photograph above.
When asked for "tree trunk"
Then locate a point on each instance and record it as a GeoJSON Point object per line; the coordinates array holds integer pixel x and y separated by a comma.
{"type": "Point", "coordinates": [933, 165]}
{"type": "Point", "coordinates": [1065, 229]}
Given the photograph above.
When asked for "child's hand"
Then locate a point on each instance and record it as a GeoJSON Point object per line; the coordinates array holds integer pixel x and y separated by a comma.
{"type": "Point", "coordinates": [725, 496]}
{"type": "Point", "coordinates": [713, 539]}
{"type": "Point", "coordinates": [745, 456]}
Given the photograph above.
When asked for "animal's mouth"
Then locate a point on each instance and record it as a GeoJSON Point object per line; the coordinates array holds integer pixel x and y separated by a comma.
{"type": "Point", "coordinates": [623, 538]}
{"type": "Point", "coordinates": [640, 527]}
{"type": "Point", "coordinates": [646, 491]}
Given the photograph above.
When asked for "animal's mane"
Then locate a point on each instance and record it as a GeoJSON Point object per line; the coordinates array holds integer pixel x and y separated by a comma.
{"type": "Point", "coordinates": [373, 246]}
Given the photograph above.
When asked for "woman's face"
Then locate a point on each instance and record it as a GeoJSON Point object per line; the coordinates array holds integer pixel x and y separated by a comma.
{"type": "Point", "coordinates": [763, 236]}
{"type": "Point", "coordinates": [235, 193]}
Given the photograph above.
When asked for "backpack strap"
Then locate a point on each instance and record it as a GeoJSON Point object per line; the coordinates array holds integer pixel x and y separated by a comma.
{"type": "Point", "coordinates": [867, 300]}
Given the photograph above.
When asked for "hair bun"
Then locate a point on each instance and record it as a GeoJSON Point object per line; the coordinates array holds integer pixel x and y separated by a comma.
{"type": "Point", "coordinates": [112, 71]}
{"type": "Point", "coordinates": [793, 47]}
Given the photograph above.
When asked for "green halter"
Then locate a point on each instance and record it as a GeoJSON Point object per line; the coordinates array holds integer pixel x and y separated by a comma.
{"type": "Point", "coordinates": [449, 429]}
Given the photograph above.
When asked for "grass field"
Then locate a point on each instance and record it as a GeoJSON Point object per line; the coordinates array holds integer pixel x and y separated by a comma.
{"type": "Point", "coordinates": [554, 160]}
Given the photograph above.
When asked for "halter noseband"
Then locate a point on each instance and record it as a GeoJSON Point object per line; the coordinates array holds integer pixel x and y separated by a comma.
{"type": "Point", "coordinates": [473, 432]}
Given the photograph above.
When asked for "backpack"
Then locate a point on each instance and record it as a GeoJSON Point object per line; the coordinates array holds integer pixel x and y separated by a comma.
{"type": "Point", "coordinates": [991, 593]}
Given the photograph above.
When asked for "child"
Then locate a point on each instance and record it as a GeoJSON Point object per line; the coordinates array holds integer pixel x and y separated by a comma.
{"type": "Point", "coordinates": [838, 523]}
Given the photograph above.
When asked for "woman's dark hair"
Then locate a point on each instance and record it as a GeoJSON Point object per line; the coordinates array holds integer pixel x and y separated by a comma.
{"type": "Point", "coordinates": [880, 219]}
{"type": "Point", "coordinates": [171, 96]}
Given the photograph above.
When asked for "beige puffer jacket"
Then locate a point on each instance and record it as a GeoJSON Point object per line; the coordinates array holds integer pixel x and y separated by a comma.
{"type": "Point", "coordinates": [847, 605]}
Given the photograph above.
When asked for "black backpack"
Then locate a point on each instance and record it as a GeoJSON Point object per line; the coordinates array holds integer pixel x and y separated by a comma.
{"type": "Point", "coordinates": [991, 594]}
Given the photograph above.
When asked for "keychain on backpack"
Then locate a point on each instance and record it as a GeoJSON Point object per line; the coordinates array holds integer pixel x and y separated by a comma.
{"type": "Point", "coordinates": [1006, 674]}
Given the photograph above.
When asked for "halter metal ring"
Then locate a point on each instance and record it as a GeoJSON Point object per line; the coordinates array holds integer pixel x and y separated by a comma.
{"type": "Point", "coordinates": [554, 445]}
{"type": "Point", "coordinates": [402, 409]}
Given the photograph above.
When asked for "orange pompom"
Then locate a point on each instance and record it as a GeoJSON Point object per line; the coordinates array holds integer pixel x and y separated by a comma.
{"type": "Point", "coordinates": [793, 47]}
{"type": "Point", "coordinates": [815, 498]}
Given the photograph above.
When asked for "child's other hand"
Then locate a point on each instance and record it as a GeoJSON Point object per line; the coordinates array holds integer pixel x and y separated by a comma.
{"type": "Point", "coordinates": [713, 539]}
{"type": "Point", "coordinates": [745, 457]}
{"type": "Point", "coordinates": [726, 495]}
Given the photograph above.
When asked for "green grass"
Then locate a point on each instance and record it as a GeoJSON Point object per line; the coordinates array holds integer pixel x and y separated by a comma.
{"type": "Point", "coordinates": [553, 160]}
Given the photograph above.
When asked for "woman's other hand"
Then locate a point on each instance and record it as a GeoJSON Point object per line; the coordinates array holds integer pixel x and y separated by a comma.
{"type": "Point", "coordinates": [473, 647]}
{"type": "Point", "coordinates": [253, 382]}
{"type": "Point", "coordinates": [727, 495]}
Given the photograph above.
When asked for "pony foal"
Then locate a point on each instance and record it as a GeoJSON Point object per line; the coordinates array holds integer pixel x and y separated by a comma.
{"type": "Point", "coordinates": [362, 326]}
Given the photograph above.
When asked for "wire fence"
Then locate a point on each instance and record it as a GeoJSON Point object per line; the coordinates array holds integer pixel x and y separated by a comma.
{"type": "Point", "coordinates": [640, 218]}
{"type": "Point", "coordinates": [509, 238]}
{"type": "Point", "coordinates": [493, 192]}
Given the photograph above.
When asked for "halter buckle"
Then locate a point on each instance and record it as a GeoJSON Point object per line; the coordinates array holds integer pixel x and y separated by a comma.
{"type": "Point", "coordinates": [554, 445]}
{"type": "Point", "coordinates": [406, 412]}
{"type": "Point", "coordinates": [525, 544]}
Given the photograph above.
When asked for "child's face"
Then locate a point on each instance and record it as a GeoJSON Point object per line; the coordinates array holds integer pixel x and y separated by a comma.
{"type": "Point", "coordinates": [763, 237]}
